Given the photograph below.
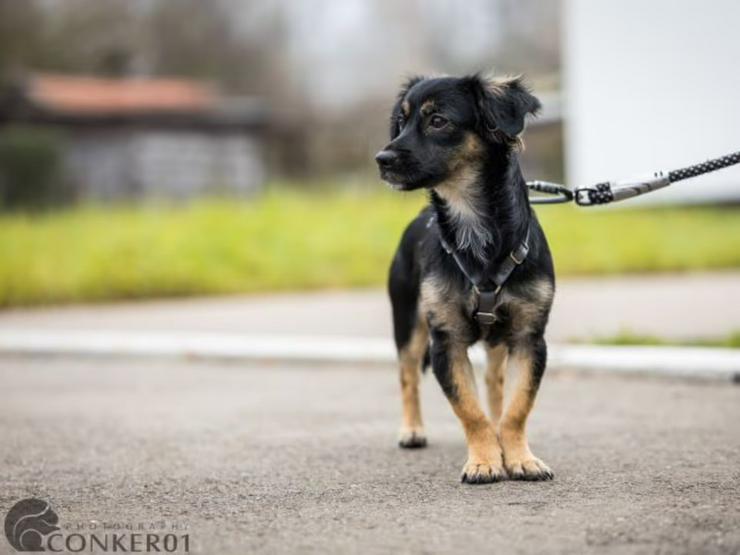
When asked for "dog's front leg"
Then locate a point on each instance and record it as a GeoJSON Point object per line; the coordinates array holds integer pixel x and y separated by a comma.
{"type": "Point", "coordinates": [521, 464]}
{"type": "Point", "coordinates": [495, 374]}
{"type": "Point", "coordinates": [411, 358]}
{"type": "Point", "coordinates": [455, 374]}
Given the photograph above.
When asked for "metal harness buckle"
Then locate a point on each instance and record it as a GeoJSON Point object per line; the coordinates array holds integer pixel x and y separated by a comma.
{"type": "Point", "coordinates": [485, 318]}
{"type": "Point", "coordinates": [524, 251]}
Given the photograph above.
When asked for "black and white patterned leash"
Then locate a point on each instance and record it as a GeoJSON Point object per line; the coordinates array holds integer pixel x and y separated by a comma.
{"type": "Point", "coordinates": [612, 191]}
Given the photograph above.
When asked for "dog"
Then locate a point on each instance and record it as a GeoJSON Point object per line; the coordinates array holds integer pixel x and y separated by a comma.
{"type": "Point", "coordinates": [459, 139]}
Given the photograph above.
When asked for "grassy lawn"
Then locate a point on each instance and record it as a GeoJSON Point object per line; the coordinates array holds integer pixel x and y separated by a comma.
{"type": "Point", "coordinates": [730, 341]}
{"type": "Point", "coordinates": [292, 240]}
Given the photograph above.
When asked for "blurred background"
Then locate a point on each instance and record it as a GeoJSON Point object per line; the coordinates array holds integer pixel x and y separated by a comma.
{"type": "Point", "coordinates": [194, 245]}
{"type": "Point", "coordinates": [154, 148]}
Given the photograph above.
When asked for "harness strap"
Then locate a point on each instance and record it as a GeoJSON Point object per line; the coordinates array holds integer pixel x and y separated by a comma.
{"type": "Point", "coordinates": [485, 313]}
{"type": "Point", "coordinates": [487, 295]}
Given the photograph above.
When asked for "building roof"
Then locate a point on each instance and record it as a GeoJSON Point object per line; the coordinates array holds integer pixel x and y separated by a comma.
{"type": "Point", "coordinates": [71, 93]}
{"type": "Point", "coordinates": [80, 99]}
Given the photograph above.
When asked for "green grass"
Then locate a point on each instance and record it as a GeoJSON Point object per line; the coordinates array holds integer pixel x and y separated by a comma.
{"type": "Point", "coordinates": [292, 240]}
{"type": "Point", "coordinates": [730, 341]}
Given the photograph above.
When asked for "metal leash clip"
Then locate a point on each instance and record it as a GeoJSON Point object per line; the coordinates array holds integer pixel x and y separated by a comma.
{"type": "Point", "coordinates": [612, 191]}
{"type": "Point", "coordinates": [558, 193]}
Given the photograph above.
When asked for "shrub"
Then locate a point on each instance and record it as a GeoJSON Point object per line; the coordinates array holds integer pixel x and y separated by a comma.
{"type": "Point", "coordinates": [30, 168]}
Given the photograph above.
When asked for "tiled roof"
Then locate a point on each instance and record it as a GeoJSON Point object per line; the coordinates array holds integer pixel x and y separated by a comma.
{"type": "Point", "coordinates": [82, 94]}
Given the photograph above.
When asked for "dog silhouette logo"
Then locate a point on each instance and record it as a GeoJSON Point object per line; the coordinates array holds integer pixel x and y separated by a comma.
{"type": "Point", "coordinates": [27, 524]}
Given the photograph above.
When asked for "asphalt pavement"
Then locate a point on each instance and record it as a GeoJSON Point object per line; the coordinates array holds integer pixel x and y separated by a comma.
{"type": "Point", "coordinates": [303, 459]}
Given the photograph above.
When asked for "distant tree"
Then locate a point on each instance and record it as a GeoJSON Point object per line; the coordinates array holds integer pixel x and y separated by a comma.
{"type": "Point", "coordinates": [189, 38]}
{"type": "Point", "coordinates": [200, 39]}
{"type": "Point", "coordinates": [87, 36]}
{"type": "Point", "coordinates": [20, 35]}
{"type": "Point", "coordinates": [532, 38]}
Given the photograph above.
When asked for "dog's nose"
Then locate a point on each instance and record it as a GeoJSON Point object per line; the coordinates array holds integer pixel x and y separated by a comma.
{"type": "Point", "coordinates": [386, 158]}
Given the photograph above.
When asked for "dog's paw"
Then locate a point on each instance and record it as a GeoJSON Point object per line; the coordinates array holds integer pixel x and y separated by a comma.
{"type": "Point", "coordinates": [477, 472]}
{"type": "Point", "coordinates": [530, 468]}
{"type": "Point", "coordinates": [412, 438]}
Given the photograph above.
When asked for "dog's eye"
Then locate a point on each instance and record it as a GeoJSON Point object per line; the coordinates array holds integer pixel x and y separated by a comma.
{"type": "Point", "coordinates": [438, 122]}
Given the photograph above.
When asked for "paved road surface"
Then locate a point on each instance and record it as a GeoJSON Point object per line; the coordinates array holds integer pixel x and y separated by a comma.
{"type": "Point", "coordinates": [281, 460]}
{"type": "Point", "coordinates": [669, 306]}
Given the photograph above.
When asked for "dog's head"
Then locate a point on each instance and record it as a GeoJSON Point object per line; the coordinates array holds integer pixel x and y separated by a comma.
{"type": "Point", "coordinates": [440, 125]}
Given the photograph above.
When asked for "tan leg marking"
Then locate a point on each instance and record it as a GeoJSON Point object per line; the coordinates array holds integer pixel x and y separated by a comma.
{"type": "Point", "coordinates": [485, 462]}
{"type": "Point", "coordinates": [495, 373]}
{"type": "Point", "coordinates": [520, 463]}
{"type": "Point", "coordinates": [410, 359]}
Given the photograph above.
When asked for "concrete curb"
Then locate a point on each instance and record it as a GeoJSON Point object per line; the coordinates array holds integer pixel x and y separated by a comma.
{"type": "Point", "coordinates": [671, 361]}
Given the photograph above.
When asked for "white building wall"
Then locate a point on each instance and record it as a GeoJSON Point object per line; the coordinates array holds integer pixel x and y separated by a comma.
{"type": "Point", "coordinates": [126, 163]}
{"type": "Point", "coordinates": [650, 85]}
{"type": "Point", "coordinates": [185, 164]}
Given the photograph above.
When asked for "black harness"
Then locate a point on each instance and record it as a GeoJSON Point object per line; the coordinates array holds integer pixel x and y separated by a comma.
{"type": "Point", "coordinates": [489, 283]}
{"type": "Point", "coordinates": [487, 286]}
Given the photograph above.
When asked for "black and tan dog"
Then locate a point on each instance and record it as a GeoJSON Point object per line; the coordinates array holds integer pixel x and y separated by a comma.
{"type": "Point", "coordinates": [458, 138]}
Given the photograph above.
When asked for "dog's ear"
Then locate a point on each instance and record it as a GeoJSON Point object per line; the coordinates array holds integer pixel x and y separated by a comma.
{"type": "Point", "coordinates": [396, 113]}
{"type": "Point", "coordinates": [502, 105]}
